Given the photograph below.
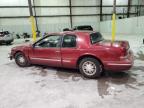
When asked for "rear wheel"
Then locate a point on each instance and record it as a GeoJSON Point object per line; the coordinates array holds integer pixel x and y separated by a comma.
{"type": "Point", "coordinates": [90, 68]}
{"type": "Point", "coordinates": [21, 60]}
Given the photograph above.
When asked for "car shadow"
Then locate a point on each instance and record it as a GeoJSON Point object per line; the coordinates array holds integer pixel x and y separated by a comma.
{"type": "Point", "coordinates": [63, 73]}
{"type": "Point", "coordinates": [135, 68]}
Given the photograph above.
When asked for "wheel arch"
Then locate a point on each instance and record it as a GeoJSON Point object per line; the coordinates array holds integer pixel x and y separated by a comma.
{"type": "Point", "coordinates": [27, 59]}
{"type": "Point", "coordinates": [23, 51]}
{"type": "Point", "coordinates": [90, 56]}
{"type": "Point", "coordinates": [18, 51]}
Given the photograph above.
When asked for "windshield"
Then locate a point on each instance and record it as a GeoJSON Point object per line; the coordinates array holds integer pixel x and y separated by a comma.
{"type": "Point", "coordinates": [96, 37]}
{"type": "Point", "coordinates": [4, 33]}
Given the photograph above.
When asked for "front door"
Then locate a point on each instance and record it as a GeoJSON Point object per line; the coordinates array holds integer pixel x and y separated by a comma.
{"type": "Point", "coordinates": [47, 51]}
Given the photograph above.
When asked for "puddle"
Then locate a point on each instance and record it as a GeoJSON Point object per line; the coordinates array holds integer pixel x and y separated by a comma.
{"type": "Point", "coordinates": [42, 71]}
{"type": "Point", "coordinates": [140, 84]}
{"type": "Point", "coordinates": [67, 73]}
{"type": "Point", "coordinates": [135, 68]}
{"type": "Point", "coordinates": [118, 78]}
{"type": "Point", "coordinates": [140, 55]}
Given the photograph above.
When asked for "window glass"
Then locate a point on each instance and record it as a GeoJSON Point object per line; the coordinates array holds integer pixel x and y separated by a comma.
{"type": "Point", "coordinates": [69, 41]}
{"type": "Point", "coordinates": [49, 42]}
{"type": "Point", "coordinates": [96, 37]}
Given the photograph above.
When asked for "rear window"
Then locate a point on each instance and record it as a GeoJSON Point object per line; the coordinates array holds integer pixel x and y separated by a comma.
{"type": "Point", "coordinates": [96, 37]}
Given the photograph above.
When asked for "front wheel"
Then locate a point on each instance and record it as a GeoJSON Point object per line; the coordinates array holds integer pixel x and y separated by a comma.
{"type": "Point", "coordinates": [90, 68]}
{"type": "Point", "coordinates": [21, 60]}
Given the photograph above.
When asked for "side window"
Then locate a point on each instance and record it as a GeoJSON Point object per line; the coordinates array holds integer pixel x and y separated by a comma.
{"type": "Point", "coordinates": [69, 41]}
{"type": "Point", "coordinates": [49, 42]}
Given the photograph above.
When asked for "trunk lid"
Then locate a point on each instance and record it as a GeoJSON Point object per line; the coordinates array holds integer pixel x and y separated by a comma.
{"type": "Point", "coordinates": [117, 43]}
{"type": "Point", "coordinates": [122, 45]}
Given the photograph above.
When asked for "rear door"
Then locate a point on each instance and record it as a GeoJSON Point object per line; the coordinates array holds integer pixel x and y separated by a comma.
{"type": "Point", "coordinates": [47, 51]}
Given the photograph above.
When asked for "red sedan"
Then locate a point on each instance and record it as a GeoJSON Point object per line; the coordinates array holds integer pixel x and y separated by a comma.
{"type": "Point", "coordinates": [85, 50]}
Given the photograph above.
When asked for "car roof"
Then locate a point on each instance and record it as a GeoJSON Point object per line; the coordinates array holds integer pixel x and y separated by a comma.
{"type": "Point", "coordinates": [74, 32]}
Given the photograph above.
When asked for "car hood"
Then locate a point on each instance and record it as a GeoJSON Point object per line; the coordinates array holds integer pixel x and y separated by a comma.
{"type": "Point", "coordinates": [22, 47]}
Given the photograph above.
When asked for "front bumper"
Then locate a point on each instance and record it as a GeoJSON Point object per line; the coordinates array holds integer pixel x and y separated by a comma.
{"type": "Point", "coordinates": [123, 64]}
{"type": "Point", "coordinates": [11, 54]}
{"type": "Point", "coordinates": [5, 41]}
{"type": "Point", "coordinates": [10, 57]}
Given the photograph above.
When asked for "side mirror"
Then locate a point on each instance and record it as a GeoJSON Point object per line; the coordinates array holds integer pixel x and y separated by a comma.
{"type": "Point", "coordinates": [33, 45]}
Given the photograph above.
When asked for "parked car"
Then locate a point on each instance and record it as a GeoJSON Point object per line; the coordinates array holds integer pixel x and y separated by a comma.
{"type": "Point", "coordinates": [6, 37]}
{"type": "Point", "coordinates": [66, 29]}
{"type": "Point", "coordinates": [81, 27]}
{"type": "Point", "coordinates": [87, 51]}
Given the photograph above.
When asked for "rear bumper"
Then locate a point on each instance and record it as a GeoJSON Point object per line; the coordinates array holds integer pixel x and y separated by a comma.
{"type": "Point", "coordinates": [123, 64]}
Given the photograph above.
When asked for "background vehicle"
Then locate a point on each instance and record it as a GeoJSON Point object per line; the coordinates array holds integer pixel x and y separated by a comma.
{"type": "Point", "coordinates": [6, 37]}
{"type": "Point", "coordinates": [81, 27]}
{"type": "Point", "coordinates": [87, 51]}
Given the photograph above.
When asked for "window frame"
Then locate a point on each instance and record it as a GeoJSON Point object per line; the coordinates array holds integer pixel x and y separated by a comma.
{"type": "Point", "coordinates": [34, 45]}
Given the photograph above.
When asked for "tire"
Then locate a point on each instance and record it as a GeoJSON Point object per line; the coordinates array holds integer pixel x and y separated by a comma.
{"type": "Point", "coordinates": [21, 60]}
{"type": "Point", "coordinates": [8, 43]}
{"type": "Point", "coordinates": [90, 68]}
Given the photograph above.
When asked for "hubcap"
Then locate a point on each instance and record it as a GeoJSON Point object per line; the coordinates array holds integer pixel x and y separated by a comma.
{"type": "Point", "coordinates": [89, 68]}
{"type": "Point", "coordinates": [21, 59]}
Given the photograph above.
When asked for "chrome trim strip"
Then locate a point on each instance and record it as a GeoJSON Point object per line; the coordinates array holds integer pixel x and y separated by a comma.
{"type": "Point", "coordinates": [119, 64]}
{"type": "Point", "coordinates": [66, 61]}
{"type": "Point", "coordinates": [45, 59]}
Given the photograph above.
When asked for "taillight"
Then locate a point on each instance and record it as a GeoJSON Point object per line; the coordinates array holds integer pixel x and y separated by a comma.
{"type": "Point", "coordinates": [124, 51]}
{"type": "Point", "coordinates": [125, 45]}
